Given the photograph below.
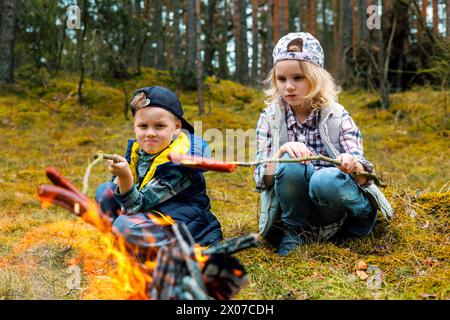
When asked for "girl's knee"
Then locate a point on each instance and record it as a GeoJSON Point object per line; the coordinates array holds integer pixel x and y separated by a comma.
{"type": "Point", "coordinates": [326, 182]}
{"type": "Point", "coordinates": [292, 172]}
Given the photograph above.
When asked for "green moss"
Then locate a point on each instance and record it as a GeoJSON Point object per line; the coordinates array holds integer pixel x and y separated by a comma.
{"type": "Point", "coordinates": [45, 125]}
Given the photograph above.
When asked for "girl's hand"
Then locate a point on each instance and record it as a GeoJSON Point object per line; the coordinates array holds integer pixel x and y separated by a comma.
{"type": "Point", "coordinates": [348, 163]}
{"type": "Point", "coordinates": [120, 169]}
{"type": "Point", "coordinates": [295, 150]}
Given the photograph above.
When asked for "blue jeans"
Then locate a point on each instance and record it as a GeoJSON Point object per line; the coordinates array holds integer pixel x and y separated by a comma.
{"type": "Point", "coordinates": [142, 237]}
{"type": "Point", "coordinates": [322, 197]}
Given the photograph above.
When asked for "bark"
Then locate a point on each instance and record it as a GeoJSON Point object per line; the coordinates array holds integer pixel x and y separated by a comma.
{"type": "Point", "coordinates": [311, 18]}
{"type": "Point", "coordinates": [269, 38]}
{"type": "Point", "coordinates": [435, 17]}
{"type": "Point", "coordinates": [362, 9]}
{"type": "Point", "coordinates": [198, 61]}
{"type": "Point", "coordinates": [385, 51]}
{"type": "Point", "coordinates": [276, 20]}
{"type": "Point", "coordinates": [241, 46]}
{"type": "Point", "coordinates": [281, 18]}
{"type": "Point", "coordinates": [142, 14]}
{"type": "Point", "coordinates": [191, 45]}
{"type": "Point", "coordinates": [447, 27]}
{"type": "Point", "coordinates": [222, 46]}
{"type": "Point", "coordinates": [345, 37]}
{"type": "Point", "coordinates": [9, 16]}
{"type": "Point", "coordinates": [301, 14]}
{"type": "Point", "coordinates": [84, 15]}
{"type": "Point", "coordinates": [255, 44]}
{"type": "Point", "coordinates": [160, 59]}
{"type": "Point", "coordinates": [177, 39]}
{"type": "Point", "coordinates": [168, 43]}
{"type": "Point", "coordinates": [336, 43]}
{"type": "Point", "coordinates": [285, 15]}
{"type": "Point", "coordinates": [325, 35]}
{"type": "Point", "coordinates": [210, 36]}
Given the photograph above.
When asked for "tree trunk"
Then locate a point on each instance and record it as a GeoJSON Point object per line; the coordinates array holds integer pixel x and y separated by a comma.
{"type": "Point", "coordinates": [435, 17]}
{"type": "Point", "coordinates": [240, 35]}
{"type": "Point", "coordinates": [198, 61]}
{"type": "Point", "coordinates": [301, 14]}
{"type": "Point", "coordinates": [191, 45]}
{"type": "Point", "coordinates": [84, 15]}
{"type": "Point", "coordinates": [9, 16]}
{"type": "Point", "coordinates": [223, 25]}
{"type": "Point", "coordinates": [355, 26]}
{"type": "Point", "coordinates": [210, 36]}
{"type": "Point", "coordinates": [447, 27]}
{"type": "Point", "coordinates": [244, 41]}
{"type": "Point", "coordinates": [285, 14]}
{"type": "Point", "coordinates": [61, 48]}
{"type": "Point", "coordinates": [325, 35]}
{"type": "Point", "coordinates": [276, 20]}
{"type": "Point", "coordinates": [422, 26]}
{"type": "Point", "coordinates": [269, 39]}
{"type": "Point", "coordinates": [345, 37]}
{"type": "Point", "coordinates": [281, 19]}
{"type": "Point", "coordinates": [385, 51]}
{"type": "Point", "coordinates": [168, 40]}
{"type": "Point", "coordinates": [177, 39]}
{"type": "Point", "coordinates": [362, 9]}
{"type": "Point", "coordinates": [142, 40]}
{"type": "Point", "coordinates": [160, 60]}
{"type": "Point", "coordinates": [336, 43]}
{"type": "Point", "coordinates": [311, 19]}
{"type": "Point", "coordinates": [255, 44]}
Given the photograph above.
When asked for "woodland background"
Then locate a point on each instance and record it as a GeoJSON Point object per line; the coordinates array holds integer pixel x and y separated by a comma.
{"type": "Point", "coordinates": [64, 92]}
{"type": "Point", "coordinates": [226, 39]}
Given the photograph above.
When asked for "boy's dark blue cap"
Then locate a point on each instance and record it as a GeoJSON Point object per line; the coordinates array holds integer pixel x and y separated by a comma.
{"type": "Point", "coordinates": [166, 99]}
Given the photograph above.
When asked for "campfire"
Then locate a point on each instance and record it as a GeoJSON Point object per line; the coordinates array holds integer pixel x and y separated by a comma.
{"type": "Point", "coordinates": [181, 269]}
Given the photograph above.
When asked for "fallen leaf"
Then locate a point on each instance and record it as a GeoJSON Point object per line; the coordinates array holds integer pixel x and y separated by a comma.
{"type": "Point", "coordinates": [412, 213]}
{"type": "Point", "coordinates": [317, 275]}
{"type": "Point", "coordinates": [361, 274]}
{"type": "Point", "coordinates": [428, 296]}
{"type": "Point", "coordinates": [431, 261]}
{"type": "Point", "coordinates": [361, 265]}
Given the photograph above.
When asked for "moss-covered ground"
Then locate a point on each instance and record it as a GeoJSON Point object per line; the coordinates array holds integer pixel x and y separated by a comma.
{"type": "Point", "coordinates": [42, 125]}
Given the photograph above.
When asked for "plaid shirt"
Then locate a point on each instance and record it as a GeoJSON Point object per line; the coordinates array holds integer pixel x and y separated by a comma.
{"type": "Point", "coordinates": [307, 132]}
{"type": "Point", "coordinates": [155, 191]}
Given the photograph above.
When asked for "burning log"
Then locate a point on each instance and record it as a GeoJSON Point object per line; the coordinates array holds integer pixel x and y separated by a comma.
{"type": "Point", "coordinates": [180, 275]}
{"type": "Point", "coordinates": [182, 270]}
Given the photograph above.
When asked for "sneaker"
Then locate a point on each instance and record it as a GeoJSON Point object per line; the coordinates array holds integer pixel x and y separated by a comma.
{"type": "Point", "coordinates": [289, 242]}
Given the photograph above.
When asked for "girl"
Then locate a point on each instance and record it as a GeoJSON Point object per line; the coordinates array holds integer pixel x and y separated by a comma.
{"type": "Point", "coordinates": [302, 119]}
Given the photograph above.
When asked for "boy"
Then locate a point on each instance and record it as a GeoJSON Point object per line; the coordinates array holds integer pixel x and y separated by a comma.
{"type": "Point", "coordinates": [147, 183]}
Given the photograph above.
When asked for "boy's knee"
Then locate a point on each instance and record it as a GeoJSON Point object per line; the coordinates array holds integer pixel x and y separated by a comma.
{"type": "Point", "coordinates": [104, 190]}
{"type": "Point", "coordinates": [139, 230]}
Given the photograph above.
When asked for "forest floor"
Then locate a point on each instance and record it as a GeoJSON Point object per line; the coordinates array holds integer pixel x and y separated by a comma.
{"type": "Point", "coordinates": [42, 125]}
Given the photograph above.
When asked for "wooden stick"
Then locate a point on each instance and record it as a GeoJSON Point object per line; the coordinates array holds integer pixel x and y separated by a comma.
{"type": "Point", "coordinates": [106, 156]}
{"type": "Point", "coordinates": [362, 173]}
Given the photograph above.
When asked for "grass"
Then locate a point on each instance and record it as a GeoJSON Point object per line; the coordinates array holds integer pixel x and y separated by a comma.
{"type": "Point", "coordinates": [44, 125]}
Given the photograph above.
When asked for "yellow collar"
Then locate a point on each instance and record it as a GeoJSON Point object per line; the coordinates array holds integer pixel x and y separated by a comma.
{"type": "Point", "coordinates": [180, 145]}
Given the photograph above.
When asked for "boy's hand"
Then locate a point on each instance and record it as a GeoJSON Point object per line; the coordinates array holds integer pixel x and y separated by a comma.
{"type": "Point", "coordinates": [120, 169]}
